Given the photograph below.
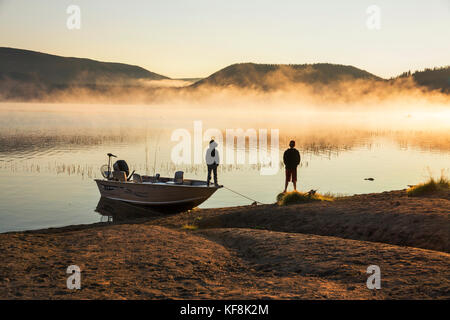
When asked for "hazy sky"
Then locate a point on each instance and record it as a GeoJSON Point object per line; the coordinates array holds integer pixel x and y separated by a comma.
{"type": "Point", "coordinates": [194, 38]}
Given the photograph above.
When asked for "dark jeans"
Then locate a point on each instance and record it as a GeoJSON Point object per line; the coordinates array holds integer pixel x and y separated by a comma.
{"type": "Point", "coordinates": [213, 168]}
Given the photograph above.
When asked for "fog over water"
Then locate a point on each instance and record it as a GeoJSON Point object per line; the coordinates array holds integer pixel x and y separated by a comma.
{"type": "Point", "coordinates": [50, 152]}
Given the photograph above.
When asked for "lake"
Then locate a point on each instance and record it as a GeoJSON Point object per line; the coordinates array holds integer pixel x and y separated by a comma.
{"type": "Point", "coordinates": [50, 153]}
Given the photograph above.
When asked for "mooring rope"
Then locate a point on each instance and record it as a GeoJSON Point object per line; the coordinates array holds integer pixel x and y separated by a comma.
{"type": "Point", "coordinates": [256, 201]}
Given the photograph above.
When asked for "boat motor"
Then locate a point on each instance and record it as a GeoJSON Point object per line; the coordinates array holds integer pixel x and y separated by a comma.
{"type": "Point", "coordinates": [106, 169]}
{"type": "Point", "coordinates": [121, 165]}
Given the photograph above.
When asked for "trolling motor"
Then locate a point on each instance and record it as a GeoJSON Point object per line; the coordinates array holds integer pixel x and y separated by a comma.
{"type": "Point", "coordinates": [119, 165]}
{"type": "Point", "coordinates": [106, 169]}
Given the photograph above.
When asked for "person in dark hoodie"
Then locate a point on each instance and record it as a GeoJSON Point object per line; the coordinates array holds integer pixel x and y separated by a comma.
{"type": "Point", "coordinates": [212, 160]}
{"type": "Point", "coordinates": [291, 159]}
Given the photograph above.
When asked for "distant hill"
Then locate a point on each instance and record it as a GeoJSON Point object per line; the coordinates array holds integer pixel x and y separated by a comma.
{"type": "Point", "coordinates": [27, 75]}
{"type": "Point", "coordinates": [46, 71]}
{"type": "Point", "coordinates": [273, 76]}
{"type": "Point", "coordinates": [435, 79]}
{"type": "Point", "coordinates": [189, 79]}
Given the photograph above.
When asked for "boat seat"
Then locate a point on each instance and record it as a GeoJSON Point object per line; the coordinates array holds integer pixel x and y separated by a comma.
{"type": "Point", "coordinates": [178, 179]}
{"type": "Point", "coordinates": [137, 178]}
{"type": "Point", "coordinates": [119, 176]}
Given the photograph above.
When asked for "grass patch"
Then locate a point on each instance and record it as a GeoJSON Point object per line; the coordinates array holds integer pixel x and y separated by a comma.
{"type": "Point", "coordinates": [189, 227]}
{"type": "Point", "coordinates": [284, 199]}
{"type": "Point", "coordinates": [429, 187]}
{"type": "Point", "coordinates": [336, 195]}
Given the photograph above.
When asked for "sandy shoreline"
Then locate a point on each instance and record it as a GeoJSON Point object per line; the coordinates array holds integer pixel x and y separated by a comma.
{"type": "Point", "coordinates": [307, 251]}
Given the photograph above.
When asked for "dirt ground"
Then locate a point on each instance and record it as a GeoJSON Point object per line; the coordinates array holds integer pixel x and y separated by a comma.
{"type": "Point", "coordinates": [308, 251]}
{"type": "Point", "coordinates": [388, 217]}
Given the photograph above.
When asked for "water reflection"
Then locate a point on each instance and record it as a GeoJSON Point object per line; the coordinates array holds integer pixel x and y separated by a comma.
{"type": "Point", "coordinates": [65, 154]}
{"type": "Point", "coordinates": [119, 211]}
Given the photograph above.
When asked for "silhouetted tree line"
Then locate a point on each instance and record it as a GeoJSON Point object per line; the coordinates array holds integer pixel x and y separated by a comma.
{"type": "Point", "coordinates": [435, 78]}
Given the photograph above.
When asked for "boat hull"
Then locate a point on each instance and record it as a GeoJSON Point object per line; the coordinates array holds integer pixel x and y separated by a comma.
{"type": "Point", "coordinates": [160, 196]}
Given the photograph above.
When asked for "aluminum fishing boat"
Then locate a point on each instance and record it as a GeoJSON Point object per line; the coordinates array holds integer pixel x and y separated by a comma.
{"type": "Point", "coordinates": [161, 193]}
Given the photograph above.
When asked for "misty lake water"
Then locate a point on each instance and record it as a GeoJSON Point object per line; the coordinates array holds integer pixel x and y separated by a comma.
{"type": "Point", "coordinates": [50, 153]}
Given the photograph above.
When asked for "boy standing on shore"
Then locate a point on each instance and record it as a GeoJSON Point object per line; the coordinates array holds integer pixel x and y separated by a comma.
{"type": "Point", "coordinates": [291, 159]}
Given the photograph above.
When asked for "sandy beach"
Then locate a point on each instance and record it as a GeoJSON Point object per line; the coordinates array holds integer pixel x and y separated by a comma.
{"type": "Point", "coordinates": [305, 251]}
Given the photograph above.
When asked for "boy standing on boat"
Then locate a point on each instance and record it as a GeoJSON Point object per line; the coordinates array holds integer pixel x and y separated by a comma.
{"type": "Point", "coordinates": [291, 159]}
{"type": "Point", "coordinates": [212, 160]}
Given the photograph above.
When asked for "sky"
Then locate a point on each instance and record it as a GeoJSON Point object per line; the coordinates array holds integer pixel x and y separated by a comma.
{"type": "Point", "coordinates": [195, 38]}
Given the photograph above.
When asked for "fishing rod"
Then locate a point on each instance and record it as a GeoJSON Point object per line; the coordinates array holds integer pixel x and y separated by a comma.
{"type": "Point", "coordinates": [156, 148]}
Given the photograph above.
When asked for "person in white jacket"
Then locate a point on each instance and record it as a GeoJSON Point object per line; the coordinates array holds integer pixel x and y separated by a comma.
{"type": "Point", "coordinates": [212, 160]}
